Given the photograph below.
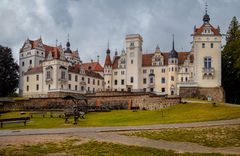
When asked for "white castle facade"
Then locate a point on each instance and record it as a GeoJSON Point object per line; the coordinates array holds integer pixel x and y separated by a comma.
{"type": "Point", "coordinates": [45, 69]}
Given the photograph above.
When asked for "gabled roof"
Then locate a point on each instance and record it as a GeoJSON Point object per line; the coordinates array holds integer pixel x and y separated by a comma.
{"type": "Point", "coordinates": [34, 70]}
{"type": "Point", "coordinates": [198, 31]}
{"type": "Point", "coordinates": [94, 66]}
{"type": "Point", "coordinates": [147, 58]}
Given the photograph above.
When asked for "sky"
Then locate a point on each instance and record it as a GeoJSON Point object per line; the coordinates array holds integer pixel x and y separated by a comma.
{"type": "Point", "coordinates": [91, 23]}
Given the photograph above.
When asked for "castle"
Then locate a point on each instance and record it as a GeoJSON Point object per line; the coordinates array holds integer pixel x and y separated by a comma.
{"type": "Point", "coordinates": [46, 69]}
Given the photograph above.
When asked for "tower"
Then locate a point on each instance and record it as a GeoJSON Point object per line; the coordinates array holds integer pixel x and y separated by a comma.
{"type": "Point", "coordinates": [108, 70]}
{"type": "Point", "coordinates": [172, 70]}
{"type": "Point", "coordinates": [207, 54]}
{"type": "Point", "coordinates": [31, 55]}
{"type": "Point", "coordinates": [134, 61]}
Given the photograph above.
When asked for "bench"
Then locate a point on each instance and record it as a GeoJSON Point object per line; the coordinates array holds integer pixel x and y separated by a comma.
{"type": "Point", "coordinates": [14, 120]}
{"type": "Point", "coordinates": [134, 109]}
{"type": "Point", "coordinates": [37, 113]}
{"type": "Point", "coordinates": [69, 114]}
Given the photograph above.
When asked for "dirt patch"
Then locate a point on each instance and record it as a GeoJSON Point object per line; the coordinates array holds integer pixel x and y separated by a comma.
{"type": "Point", "coordinates": [31, 139]}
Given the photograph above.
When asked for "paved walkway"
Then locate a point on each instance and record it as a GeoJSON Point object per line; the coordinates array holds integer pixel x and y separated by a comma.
{"type": "Point", "coordinates": [111, 134]}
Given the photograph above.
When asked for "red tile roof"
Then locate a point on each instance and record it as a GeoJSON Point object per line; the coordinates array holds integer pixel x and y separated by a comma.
{"type": "Point", "coordinates": [147, 58]}
{"type": "Point", "coordinates": [55, 51]}
{"type": "Point", "coordinates": [34, 70]}
{"type": "Point", "coordinates": [115, 62]}
{"type": "Point", "coordinates": [94, 66]}
{"type": "Point", "coordinates": [198, 31]}
{"type": "Point", "coordinates": [76, 69]}
{"type": "Point", "coordinates": [108, 61]}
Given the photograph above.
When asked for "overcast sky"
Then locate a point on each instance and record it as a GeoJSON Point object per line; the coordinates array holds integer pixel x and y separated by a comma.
{"type": "Point", "coordinates": [91, 23]}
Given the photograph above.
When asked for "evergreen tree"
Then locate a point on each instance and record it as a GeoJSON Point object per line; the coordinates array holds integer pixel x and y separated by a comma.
{"type": "Point", "coordinates": [8, 72]}
{"type": "Point", "coordinates": [231, 63]}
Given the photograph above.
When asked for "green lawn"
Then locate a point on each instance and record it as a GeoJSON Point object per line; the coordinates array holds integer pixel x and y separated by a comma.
{"type": "Point", "coordinates": [228, 136]}
{"type": "Point", "coordinates": [176, 114]}
{"type": "Point", "coordinates": [92, 148]}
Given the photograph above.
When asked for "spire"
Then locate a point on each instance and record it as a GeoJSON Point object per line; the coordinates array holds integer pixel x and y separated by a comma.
{"type": "Point", "coordinates": [173, 48]}
{"type": "Point", "coordinates": [206, 17]}
{"type": "Point", "coordinates": [68, 50]}
{"type": "Point", "coordinates": [108, 50]}
{"type": "Point", "coordinates": [68, 43]}
{"type": "Point", "coordinates": [173, 53]}
{"type": "Point", "coordinates": [116, 53]}
{"type": "Point", "coordinates": [157, 49]}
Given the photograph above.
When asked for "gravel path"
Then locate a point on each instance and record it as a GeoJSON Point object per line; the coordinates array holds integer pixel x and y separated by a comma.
{"type": "Point", "coordinates": [111, 134]}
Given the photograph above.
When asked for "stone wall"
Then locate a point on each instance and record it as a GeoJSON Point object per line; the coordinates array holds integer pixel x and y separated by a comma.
{"type": "Point", "coordinates": [217, 93]}
{"type": "Point", "coordinates": [116, 101]}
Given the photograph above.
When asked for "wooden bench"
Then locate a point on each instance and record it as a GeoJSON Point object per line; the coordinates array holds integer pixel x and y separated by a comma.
{"type": "Point", "coordinates": [14, 120]}
{"type": "Point", "coordinates": [37, 113]}
{"type": "Point", "coordinates": [134, 109]}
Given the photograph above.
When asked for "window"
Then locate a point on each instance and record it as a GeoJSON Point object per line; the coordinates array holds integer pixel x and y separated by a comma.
{"type": "Point", "coordinates": [22, 63]}
{"type": "Point", "coordinates": [27, 88]}
{"type": "Point", "coordinates": [98, 82]}
{"type": "Point", "coordinates": [203, 45]}
{"type": "Point", "coordinates": [115, 82]}
{"type": "Point", "coordinates": [181, 79]}
{"type": "Point", "coordinates": [76, 78]}
{"type": "Point", "coordinates": [63, 73]}
{"type": "Point", "coordinates": [172, 78]}
{"type": "Point", "coordinates": [163, 70]}
{"type": "Point", "coordinates": [151, 80]}
{"type": "Point", "coordinates": [27, 78]}
{"type": "Point", "coordinates": [88, 80]}
{"type": "Point", "coordinates": [82, 78]}
{"type": "Point", "coordinates": [82, 88]}
{"type": "Point", "coordinates": [151, 89]}
{"type": "Point", "coordinates": [207, 62]}
{"type": "Point", "coordinates": [88, 88]}
{"type": "Point", "coordinates": [131, 79]}
{"type": "Point", "coordinates": [211, 45]}
{"type": "Point", "coordinates": [93, 89]}
{"type": "Point", "coordinates": [144, 81]}
{"type": "Point", "coordinates": [172, 69]}
{"type": "Point", "coordinates": [163, 90]}
{"type": "Point", "coordinates": [37, 87]}
{"type": "Point", "coordinates": [37, 77]}
{"type": "Point", "coordinates": [186, 79]}
{"type": "Point", "coordinates": [108, 82]}
{"type": "Point", "coordinates": [122, 81]}
{"type": "Point", "coordinates": [69, 86]}
{"type": "Point", "coordinates": [144, 71]}
{"type": "Point", "coordinates": [115, 73]}
{"type": "Point", "coordinates": [131, 44]}
{"type": "Point", "coordinates": [151, 71]}
{"type": "Point", "coordinates": [186, 70]}
{"type": "Point", "coordinates": [69, 77]}
{"type": "Point", "coordinates": [49, 87]}
{"type": "Point", "coordinates": [131, 61]}
{"type": "Point", "coordinates": [163, 80]}
{"type": "Point", "coordinates": [30, 61]}
{"type": "Point", "coordinates": [76, 87]}
{"type": "Point", "coordinates": [48, 74]}
{"type": "Point", "coordinates": [93, 81]}
{"type": "Point", "coordinates": [122, 72]}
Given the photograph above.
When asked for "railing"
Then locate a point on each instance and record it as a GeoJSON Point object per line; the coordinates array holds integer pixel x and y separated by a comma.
{"type": "Point", "coordinates": [208, 72]}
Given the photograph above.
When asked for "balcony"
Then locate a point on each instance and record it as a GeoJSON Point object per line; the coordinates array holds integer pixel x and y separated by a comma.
{"type": "Point", "coordinates": [208, 72]}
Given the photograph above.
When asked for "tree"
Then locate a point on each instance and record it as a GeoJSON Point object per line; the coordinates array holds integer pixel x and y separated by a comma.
{"type": "Point", "coordinates": [8, 72]}
{"type": "Point", "coordinates": [231, 63]}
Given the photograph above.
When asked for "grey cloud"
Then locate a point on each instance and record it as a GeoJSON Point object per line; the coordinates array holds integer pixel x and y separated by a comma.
{"type": "Point", "coordinates": [91, 23]}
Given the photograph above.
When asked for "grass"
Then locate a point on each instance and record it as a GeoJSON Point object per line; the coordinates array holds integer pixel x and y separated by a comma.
{"type": "Point", "coordinates": [192, 112]}
{"type": "Point", "coordinates": [91, 148]}
{"type": "Point", "coordinates": [228, 136]}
